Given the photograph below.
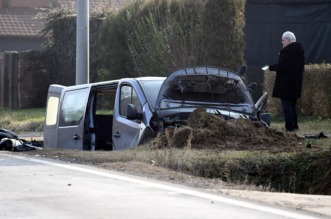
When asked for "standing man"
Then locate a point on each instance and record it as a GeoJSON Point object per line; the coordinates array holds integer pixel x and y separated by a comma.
{"type": "Point", "coordinates": [289, 77]}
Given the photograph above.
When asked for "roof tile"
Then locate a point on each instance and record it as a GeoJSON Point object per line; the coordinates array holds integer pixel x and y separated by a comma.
{"type": "Point", "coordinates": [19, 22]}
{"type": "Point", "coordinates": [22, 22]}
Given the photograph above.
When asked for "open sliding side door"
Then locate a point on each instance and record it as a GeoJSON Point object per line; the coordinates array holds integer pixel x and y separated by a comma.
{"type": "Point", "coordinates": [73, 107]}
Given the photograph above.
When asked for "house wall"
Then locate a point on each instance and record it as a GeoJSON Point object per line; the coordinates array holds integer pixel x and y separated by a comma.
{"type": "Point", "coordinates": [19, 44]}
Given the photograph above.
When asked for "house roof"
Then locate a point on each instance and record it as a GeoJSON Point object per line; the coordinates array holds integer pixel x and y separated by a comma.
{"type": "Point", "coordinates": [22, 22]}
{"type": "Point", "coordinates": [19, 23]}
{"type": "Point", "coordinates": [94, 4]}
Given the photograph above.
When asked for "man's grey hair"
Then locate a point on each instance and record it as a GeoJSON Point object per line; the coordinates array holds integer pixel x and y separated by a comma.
{"type": "Point", "coordinates": [289, 35]}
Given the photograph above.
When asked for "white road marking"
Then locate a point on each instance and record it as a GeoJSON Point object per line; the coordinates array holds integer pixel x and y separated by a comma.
{"type": "Point", "coordinates": [212, 197]}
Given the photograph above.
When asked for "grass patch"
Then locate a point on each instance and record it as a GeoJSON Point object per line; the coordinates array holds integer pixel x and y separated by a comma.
{"type": "Point", "coordinates": [306, 124]}
{"type": "Point", "coordinates": [22, 120]}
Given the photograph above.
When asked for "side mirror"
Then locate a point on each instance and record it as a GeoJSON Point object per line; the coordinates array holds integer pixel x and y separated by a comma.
{"type": "Point", "coordinates": [242, 70]}
{"type": "Point", "coordinates": [131, 112]}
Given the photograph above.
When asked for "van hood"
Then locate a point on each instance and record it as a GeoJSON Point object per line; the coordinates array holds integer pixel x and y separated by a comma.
{"type": "Point", "coordinates": [218, 90]}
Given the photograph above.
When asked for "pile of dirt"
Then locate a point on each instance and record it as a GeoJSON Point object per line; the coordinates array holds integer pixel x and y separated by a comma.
{"type": "Point", "coordinates": [209, 131]}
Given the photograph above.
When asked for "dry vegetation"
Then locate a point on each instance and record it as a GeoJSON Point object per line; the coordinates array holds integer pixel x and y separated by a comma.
{"type": "Point", "coordinates": [24, 120]}
{"type": "Point", "coordinates": [238, 152]}
{"type": "Point", "coordinates": [206, 131]}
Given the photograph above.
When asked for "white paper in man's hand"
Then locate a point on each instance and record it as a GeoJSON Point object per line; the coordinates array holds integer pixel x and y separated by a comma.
{"type": "Point", "coordinates": [265, 68]}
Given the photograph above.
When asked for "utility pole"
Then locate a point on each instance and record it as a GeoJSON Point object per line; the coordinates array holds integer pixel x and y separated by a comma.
{"type": "Point", "coordinates": [82, 42]}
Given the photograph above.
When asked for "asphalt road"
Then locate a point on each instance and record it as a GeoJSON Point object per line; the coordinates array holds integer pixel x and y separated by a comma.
{"type": "Point", "coordinates": [44, 188]}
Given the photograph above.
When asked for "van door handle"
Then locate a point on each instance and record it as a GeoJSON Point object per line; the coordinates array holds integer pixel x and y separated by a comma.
{"type": "Point", "coordinates": [117, 135]}
{"type": "Point", "coordinates": [75, 137]}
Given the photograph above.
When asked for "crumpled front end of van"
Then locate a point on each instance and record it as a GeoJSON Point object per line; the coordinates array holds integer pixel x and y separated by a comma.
{"type": "Point", "coordinates": [219, 91]}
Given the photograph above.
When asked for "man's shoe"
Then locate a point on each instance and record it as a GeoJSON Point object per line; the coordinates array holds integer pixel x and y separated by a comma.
{"type": "Point", "coordinates": [294, 129]}
{"type": "Point", "coordinates": [291, 130]}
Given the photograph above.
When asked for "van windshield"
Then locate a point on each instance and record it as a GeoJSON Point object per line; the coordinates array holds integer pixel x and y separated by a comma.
{"type": "Point", "coordinates": [151, 89]}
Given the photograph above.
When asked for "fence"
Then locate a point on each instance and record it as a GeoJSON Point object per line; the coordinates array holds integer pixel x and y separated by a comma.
{"type": "Point", "coordinates": [22, 85]}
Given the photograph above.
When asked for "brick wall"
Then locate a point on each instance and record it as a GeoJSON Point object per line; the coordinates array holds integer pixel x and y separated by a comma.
{"type": "Point", "coordinates": [1, 79]}
{"type": "Point", "coordinates": [8, 77]}
{"type": "Point", "coordinates": [33, 82]}
{"type": "Point", "coordinates": [24, 80]}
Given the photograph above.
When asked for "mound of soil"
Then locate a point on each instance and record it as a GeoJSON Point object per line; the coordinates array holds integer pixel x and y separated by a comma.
{"type": "Point", "coordinates": [208, 131]}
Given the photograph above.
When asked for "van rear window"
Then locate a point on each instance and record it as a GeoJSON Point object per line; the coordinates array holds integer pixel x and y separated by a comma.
{"type": "Point", "coordinates": [52, 110]}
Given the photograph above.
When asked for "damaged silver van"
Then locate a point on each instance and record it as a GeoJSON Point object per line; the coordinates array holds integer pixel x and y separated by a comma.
{"type": "Point", "coordinates": [121, 114]}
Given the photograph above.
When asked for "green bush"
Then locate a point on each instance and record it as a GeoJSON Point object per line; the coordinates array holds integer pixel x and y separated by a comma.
{"type": "Point", "coordinates": [114, 54]}
{"type": "Point", "coordinates": [295, 173]}
{"type": "Point", "coordinates": [59, 51]}
{"type": "Point", "coordinates": [316, 95]}
{"type": "Point", "coordinates": [166, 37]}
{"type": "Point", "coordinates": [147, 37]}
{"type": "Point", "coordinates": [154, 37]}
{"type": "Point", "coordinates": [222, 33]}
{"type": "Point", "coordinates": [150, 37]}
{"type": "Point", "coordinates": [315, 99]}
{"type": "Point", "coordinates": [303, 172]}
{"type": "Point", "coordinates": [306, 171]}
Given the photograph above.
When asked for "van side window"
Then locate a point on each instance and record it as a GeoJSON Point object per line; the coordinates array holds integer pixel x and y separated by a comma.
{"type": "Point", "coordinates": [73, 107]}
{"type": "Point", "coordinates": [129, 95]}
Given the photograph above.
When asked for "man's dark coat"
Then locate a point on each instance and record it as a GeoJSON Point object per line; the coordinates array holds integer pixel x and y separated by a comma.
{"type": "Point", "coordinates": [289, 72]}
